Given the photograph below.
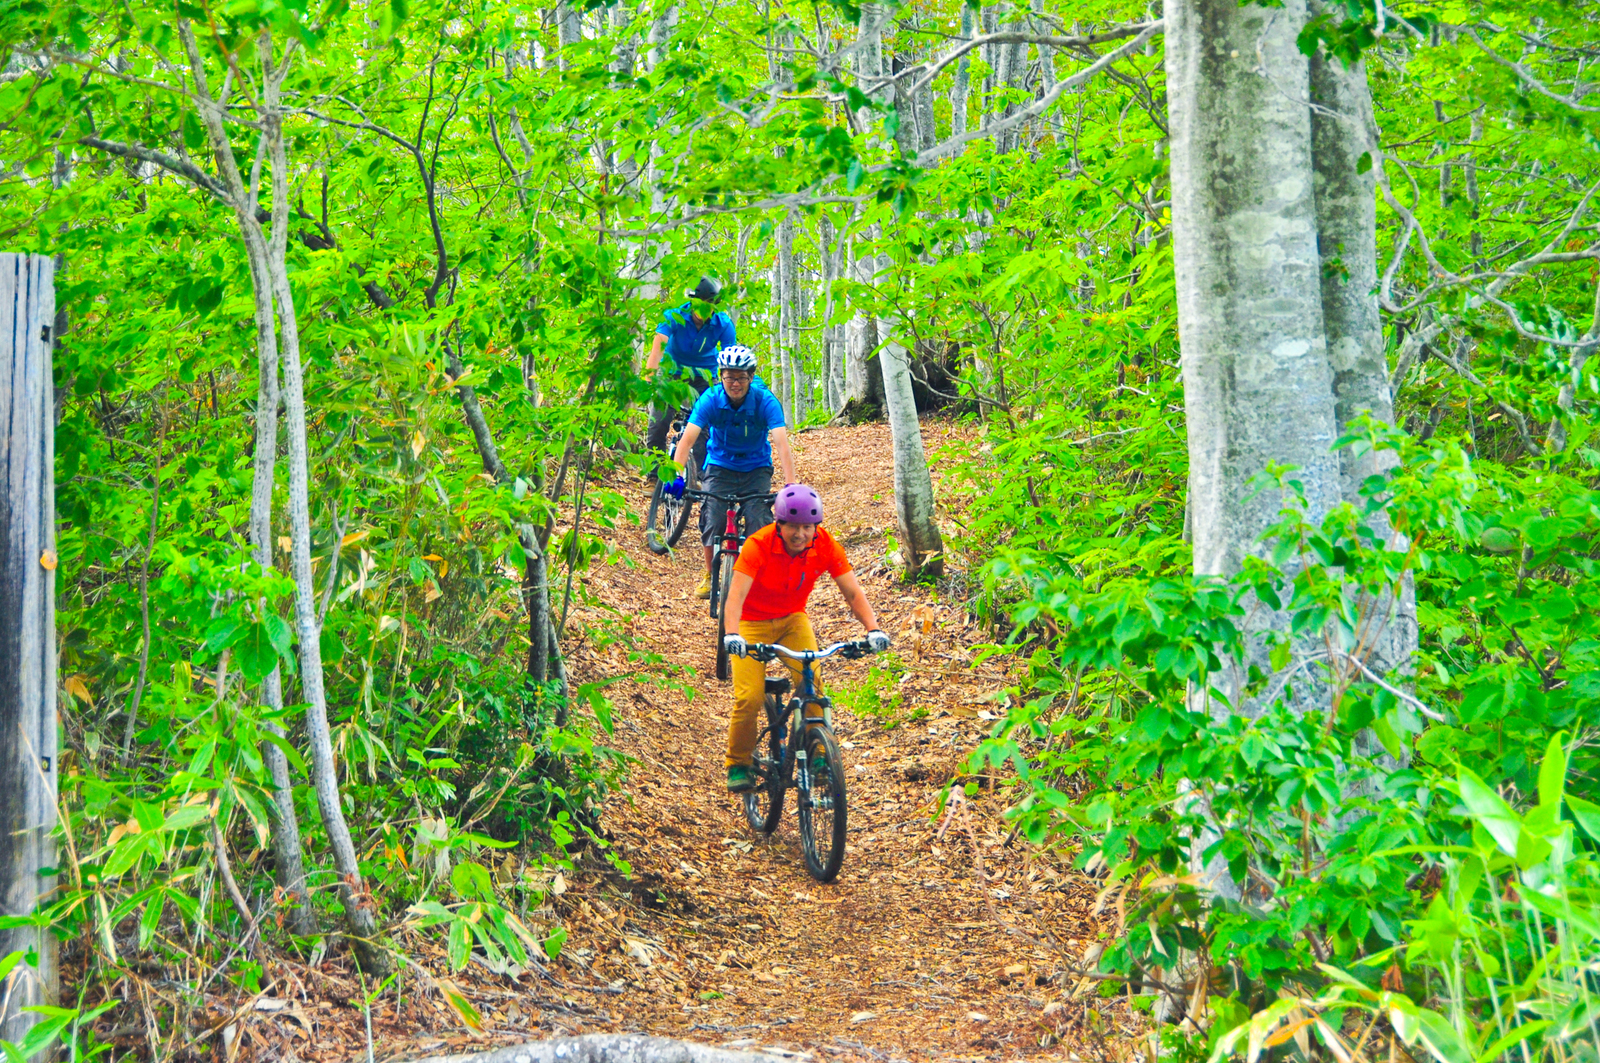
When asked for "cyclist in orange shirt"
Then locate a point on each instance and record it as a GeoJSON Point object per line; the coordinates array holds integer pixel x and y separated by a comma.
{"type": "Point", "coordinates": [772, 579]}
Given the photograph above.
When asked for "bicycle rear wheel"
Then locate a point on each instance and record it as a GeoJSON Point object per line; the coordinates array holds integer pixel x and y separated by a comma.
{"type": "Point", "coordinates": [822, 806]}
{"type": "Point", "coordinates": [721, 579]}
{"type": "Point", "coordinates": [764, 805]}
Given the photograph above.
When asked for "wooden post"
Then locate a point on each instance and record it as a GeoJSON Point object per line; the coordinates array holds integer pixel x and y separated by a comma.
{"type": "Point", "coordinates": [27, 628]}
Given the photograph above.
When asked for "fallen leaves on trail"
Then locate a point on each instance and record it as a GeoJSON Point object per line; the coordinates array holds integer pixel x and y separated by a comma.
{"type": "Point", "coordinates": [903, 943]}
{"type": "Point", "coordinates": [938, 941]}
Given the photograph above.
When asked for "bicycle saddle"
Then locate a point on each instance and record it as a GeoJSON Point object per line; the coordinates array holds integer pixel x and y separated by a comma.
{"type": "Point", "coordinates": [779, 686]}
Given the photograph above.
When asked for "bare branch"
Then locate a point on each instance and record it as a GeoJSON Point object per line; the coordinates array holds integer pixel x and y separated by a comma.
{"type": "Point", "coordinates": [1012, 37]}
{"type": "Point", "coordinates": [1526, 76]}
{"type": "Point", "coordinates": [139, 153]}
{"type": "Point", "coordinates": [1039, 106]}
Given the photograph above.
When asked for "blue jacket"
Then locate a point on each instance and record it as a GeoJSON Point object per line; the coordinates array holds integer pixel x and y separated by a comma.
{"type": "Point", "coordinates": [737, 437]}
{"type": "Point", "coordinates": [695, 348]}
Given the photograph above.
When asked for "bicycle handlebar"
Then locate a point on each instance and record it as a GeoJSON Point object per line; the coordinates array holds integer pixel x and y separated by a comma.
{"type": "Point", "coordinates": [771, 651]}
{"type": "Point", "coordinates": [690, 492]}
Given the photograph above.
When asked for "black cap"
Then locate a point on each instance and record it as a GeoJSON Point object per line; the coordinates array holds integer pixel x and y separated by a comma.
{"type": "Point", "coordinates": [709, 289]}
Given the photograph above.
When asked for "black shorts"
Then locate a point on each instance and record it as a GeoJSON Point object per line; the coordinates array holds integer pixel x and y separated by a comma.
{"type": "Point", "coordinates": [713, 514]}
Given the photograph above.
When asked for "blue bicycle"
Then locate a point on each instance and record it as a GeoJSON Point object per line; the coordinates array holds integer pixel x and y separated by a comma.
{"type": "Point", "coordinates": [818, 775]}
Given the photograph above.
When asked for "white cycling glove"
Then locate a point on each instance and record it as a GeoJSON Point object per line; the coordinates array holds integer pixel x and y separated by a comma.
{"type": "Point", "coordinates": [735, 645]}
{"type": "Point", "coordinates": [877, 641]}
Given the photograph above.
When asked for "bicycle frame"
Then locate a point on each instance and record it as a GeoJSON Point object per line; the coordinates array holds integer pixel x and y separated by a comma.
{"type": "Point", "coordinates": [732, 536]}
{"type": "Point", "coordinates": [806, 695]}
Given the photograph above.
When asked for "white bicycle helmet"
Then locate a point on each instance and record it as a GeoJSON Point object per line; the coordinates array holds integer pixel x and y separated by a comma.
{"type": "Point", "coordinates": [737, 356]}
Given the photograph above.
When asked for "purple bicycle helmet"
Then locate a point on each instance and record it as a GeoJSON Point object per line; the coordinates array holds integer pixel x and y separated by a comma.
{"type": "Point", "coordinates": [798, 504]}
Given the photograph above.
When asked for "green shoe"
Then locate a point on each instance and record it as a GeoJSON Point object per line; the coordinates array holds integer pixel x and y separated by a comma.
{"type": "Point", "coordinates": [817, 762]}
{"type": "Point", "coordinates": [741, 779]}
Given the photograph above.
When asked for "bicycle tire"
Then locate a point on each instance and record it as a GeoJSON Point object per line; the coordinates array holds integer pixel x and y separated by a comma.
{"type": "Point", "coordinates": [657, 535]}
{"type": "Point", "coordinates": [680, 521]}
{"type": "Point", "coordinates": [668, 516]}
{"type": "Point", "coordinates": [824, 801]}
{"type": "Point", "coordinates": [720, 581]}
{"type": "Point", "coordinates": [763, 806]}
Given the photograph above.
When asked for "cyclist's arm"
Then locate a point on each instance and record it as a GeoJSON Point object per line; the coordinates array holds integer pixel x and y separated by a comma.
{"type": "Point", "coordinates": [653, 359]}
{"type": "Point", "coordinates": [738, 590]}
{"type": "Point", "coordinates": [691, 432]}
{"type": "Point", "coordinates": [780, 443]}
{"type": "Point", "coordinates": [854, 597]}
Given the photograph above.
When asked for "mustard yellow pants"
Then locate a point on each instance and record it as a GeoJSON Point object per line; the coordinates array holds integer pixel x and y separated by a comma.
{"type": "Point", "coordinates": [749, 679]}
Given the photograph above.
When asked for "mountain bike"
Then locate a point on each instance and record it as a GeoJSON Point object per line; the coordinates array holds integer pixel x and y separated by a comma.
{"type": "Point", "coordinates": [727, 552]}
{"type": "Point", "coordinates": [670, 516]}
{"type": "Point", "coordinates": [817, 776]}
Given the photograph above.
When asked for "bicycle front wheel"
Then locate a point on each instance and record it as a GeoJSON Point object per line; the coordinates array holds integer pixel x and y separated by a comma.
{"type": "Point", "coordinates": [668, 516]}
{"type": "Point", "coordinates": [720, 581]}
{"type": "Point", "coordinates": [822, 805]}
{"type": "Point", "coordinates": [764, 805]}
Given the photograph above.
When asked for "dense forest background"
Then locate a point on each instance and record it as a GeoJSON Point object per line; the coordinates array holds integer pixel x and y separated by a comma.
{"type": "Point", "coordinates": [352, 300]}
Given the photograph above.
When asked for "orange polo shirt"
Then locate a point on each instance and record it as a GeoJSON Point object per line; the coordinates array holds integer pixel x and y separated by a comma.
{"type": "Point", "coordinates": [783, 583]}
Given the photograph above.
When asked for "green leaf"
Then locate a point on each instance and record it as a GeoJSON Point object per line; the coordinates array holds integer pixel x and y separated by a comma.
{"type": "Point", "coordinates": [1553, 771]}
{"type": "Point", "coordinates": [1587, 813]}
{"type": "Point", "coordinates": [472, 882]}
{"type": "Point", "coordinates": [553, 943]}
{"type": "Point", "coordinates": [458, 943]}
{"type": "Point", "coordinates": [1514, 1037]}
{"type": "Point", "coordinates": [1491, 811]}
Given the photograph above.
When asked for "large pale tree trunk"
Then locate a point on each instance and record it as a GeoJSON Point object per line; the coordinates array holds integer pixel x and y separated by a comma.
{"type": "Point", "coordinates": [1257, 379]}
{"type": "Point", "coordinates": [863, 384]}
{"type": "Point", "coordinates": [1274, 245]}
{"type": "Point", "coordinates": [960, 85]}
{"type": "Point", "coordinates": [1343, 135]}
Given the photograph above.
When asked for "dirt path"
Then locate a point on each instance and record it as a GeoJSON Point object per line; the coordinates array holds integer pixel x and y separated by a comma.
{"type": "Point", "coordinates": [903, 955]}
{"type": "Point", "coordinates": [929, 945]}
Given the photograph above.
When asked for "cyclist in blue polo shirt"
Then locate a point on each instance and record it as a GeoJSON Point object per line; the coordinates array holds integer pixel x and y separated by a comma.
{"type": "Point", "coordinates": [738, 415]}
{"type": "Point", "coordinates": [692, 334]}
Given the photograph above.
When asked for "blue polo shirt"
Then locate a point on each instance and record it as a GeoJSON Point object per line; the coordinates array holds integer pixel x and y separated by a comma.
{"type": "Point", "coordinates": [695, 348]}
{"type": "Point", "coordinates": [737, 437]}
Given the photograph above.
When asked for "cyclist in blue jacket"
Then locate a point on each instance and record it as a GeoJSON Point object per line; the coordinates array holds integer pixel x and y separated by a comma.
{"type": "Point", "coordinates": [738, 415]}
{"type": "Point", "coordinates": [691, 334]}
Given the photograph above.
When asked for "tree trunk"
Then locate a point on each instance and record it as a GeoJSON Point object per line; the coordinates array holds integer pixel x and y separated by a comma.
{"type": "Point", "coordinates": [1257, 380]}
{"type": "Point", "coordinates": [569, 29]}
{"type": "Point", "coordinates": [28, 769]}
{"type": "Point", "coordinates": [359, 908]}
{"type": "Point", "coordinates": [611, 1048]}
{"type": "Point", "coordinates": [287, 856]}
{"type": "Point", "coordinates": [286, 846]}
{"type": "Point", "coordinates": [1258, 384]}
{"type": "Point", "coordinates": [1342, 134]}
{"type": "Point", "coordinates": [785, 333]}
{"type": "Point", "coordinates": [863, 385]}
{"type": "Point", "coordinates": [920, 540]}
{"type": "Point", "coordinates": [960, 85]}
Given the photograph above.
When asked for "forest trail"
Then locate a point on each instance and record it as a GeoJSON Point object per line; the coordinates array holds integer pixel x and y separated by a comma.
{"type": "Point", "coordinates": [928, 946]}
{"type": "Point", "coordinates": [721, 937]}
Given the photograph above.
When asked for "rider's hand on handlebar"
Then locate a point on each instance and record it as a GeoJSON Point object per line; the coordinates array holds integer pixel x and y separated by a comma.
{"type": "Point", "coordinates": [877, 641]}
{"type": "Point", "coordinates": [675, 488]}
{"type": "Point", "coordinates": [734, 644]}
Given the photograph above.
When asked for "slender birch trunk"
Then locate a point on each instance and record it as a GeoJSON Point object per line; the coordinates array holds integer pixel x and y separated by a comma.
{"type": "Point", "coordinates": [788, 326]}
{"type": "Point", "coordinates": [920, 540]}
{"type": "Point", "coordinates": [286, 845]}
{"type": "Point", "coordinates": [360, 909]}
{"type": "Point", "coordinates": [862, 383]}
